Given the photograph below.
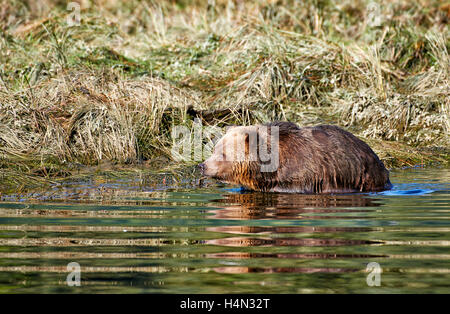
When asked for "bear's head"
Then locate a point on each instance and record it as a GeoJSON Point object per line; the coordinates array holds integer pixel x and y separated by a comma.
{"type": "Point", "coordinates": [245, 155]}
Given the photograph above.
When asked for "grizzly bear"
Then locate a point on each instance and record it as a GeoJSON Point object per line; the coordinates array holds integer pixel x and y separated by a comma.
{"type": "Point", "coordinates": [282, 157]}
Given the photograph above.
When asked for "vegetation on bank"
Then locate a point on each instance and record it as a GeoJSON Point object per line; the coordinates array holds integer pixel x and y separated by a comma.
{"type": "Point", "coordinates": [112, 87]}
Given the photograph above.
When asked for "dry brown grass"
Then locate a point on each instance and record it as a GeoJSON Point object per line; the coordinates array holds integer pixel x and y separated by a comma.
{"type": "Point", "coordinates": [86, 117]}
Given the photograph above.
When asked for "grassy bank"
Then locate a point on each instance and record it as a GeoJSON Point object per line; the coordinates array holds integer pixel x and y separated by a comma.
{"type": "Point", "coordinates": [112, 87]}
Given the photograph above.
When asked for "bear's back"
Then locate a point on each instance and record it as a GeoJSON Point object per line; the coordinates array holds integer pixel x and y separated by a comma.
{"type": "Point", "coordinates": [327, 159]}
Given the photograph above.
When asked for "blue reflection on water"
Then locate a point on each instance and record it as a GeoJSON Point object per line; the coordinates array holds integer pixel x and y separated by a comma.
{"type": "Point", "coordinates": [237, 190]}
{"type": "Point", "coordinates": [413, 189]}
{"type": "Point", "coordinates": [407, 192]}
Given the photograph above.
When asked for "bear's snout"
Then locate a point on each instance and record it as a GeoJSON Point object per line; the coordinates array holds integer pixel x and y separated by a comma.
{"type": "Point", "coordinates": [201, 167]}
{"type": "Point", "coordinates": [208, 168]}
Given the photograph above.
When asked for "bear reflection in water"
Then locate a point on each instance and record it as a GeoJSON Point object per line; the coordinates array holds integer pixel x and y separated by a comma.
{"type": "Point", "coordinates": [255, 205]}
{"type": "Point", "coordinates": [279, 206]}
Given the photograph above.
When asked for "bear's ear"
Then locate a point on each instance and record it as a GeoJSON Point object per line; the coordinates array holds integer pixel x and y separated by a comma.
{"type": "Point", "coordinates": [247, 143]}
{"type": "Point", "coordinates": [230, 127]}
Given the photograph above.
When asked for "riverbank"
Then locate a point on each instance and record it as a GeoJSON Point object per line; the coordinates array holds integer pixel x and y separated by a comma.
{"type": "Point", "coordinates": [108, 88]}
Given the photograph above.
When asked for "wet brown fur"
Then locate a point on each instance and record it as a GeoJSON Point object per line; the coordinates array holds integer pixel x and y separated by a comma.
{"type": "Point", "coordinates": [320, 159]}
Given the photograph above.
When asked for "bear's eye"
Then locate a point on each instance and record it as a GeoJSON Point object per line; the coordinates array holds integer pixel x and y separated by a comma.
{"type": "Point", "coordinates": [224, 157]}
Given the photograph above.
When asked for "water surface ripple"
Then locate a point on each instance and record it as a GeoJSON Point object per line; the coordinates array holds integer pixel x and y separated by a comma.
{"type": "Point", "coordinates": [216, 239]}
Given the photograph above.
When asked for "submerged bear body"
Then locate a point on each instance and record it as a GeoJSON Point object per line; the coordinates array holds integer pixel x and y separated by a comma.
{"type": "Point", "coordinates": [320, 159]}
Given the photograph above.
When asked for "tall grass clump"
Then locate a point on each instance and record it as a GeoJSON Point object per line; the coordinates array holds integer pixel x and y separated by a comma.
{"type": "Point", "coordinates": [86, 117]}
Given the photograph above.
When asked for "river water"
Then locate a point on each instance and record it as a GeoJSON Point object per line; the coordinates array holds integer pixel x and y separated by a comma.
{"type": "Point", "coordinates": [129, 236]}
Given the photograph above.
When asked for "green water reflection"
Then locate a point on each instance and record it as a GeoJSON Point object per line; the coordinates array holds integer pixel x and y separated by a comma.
{"type": "Point", "coordinates": [214, 239]}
